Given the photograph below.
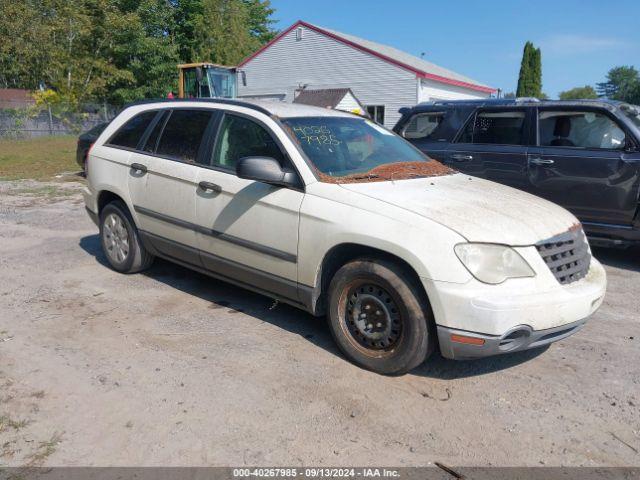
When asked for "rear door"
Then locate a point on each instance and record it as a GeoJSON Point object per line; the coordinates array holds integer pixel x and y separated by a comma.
{"type": "Point", "coordinates": [493, 145]}
{"type": "Point", "coordinates": [165, 205]}
{"type": "Point", "coordinates": [583, 162]}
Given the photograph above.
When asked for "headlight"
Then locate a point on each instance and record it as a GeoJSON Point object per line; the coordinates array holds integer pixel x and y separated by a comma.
{"type": "Point", "coordinates": [491, 263]}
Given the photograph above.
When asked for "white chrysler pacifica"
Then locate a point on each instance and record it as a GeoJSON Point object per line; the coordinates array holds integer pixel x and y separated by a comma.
{"type": "Point", "coordinates": [336, 215]}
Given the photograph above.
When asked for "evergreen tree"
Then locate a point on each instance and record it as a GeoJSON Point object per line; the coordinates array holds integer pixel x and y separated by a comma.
{"type": "Point", "coordinates": [530, 78]}
{"type": "Point", "coordinates": [525, 71]}
{"type": "Point", "coordinates": [536, 73]}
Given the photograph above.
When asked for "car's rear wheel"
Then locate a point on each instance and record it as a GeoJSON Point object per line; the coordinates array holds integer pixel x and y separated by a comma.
{"type": "Point", "coordinates": [120, 240]}
{"type": "Point", "coordinates": [379, 316]}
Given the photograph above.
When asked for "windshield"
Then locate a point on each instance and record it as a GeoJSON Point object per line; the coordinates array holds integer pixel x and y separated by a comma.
{"type": "Point", "coordinates": [222, 83]}
{"type": "Point", "coordinates": [354, 149]}
{"type": "Point", "coordinates": [632, 112]}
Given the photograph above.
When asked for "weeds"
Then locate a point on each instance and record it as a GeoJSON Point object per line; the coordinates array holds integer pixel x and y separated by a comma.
{"type": "Point", "coordinates": [8, 422]}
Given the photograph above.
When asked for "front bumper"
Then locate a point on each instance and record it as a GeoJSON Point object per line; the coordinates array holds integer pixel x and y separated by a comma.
{"type": "Point", "coordinates": [516, 339]}
{"type": "Point", "coordinates": [516, 315]}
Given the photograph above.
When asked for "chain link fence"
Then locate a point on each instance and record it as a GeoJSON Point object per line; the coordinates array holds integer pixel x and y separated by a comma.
{"type": "Point", "coordinates": [30, 120]}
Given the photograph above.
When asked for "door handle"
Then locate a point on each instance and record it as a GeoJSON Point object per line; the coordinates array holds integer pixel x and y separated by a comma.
{"type": "Point", "coordinates": [138, 167]}
{"type": "Point", "coordinates": [541, 161]}
{"type": "Point", "coordinates": [462, 158]}
{"type": "Point", "coordinates": [210, 186]}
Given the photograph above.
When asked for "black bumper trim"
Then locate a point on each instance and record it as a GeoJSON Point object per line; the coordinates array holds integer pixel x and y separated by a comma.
{"type": "Point", "coordinates": [516, 339]}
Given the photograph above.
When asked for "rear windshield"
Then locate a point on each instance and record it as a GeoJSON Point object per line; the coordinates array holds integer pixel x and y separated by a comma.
{"type": "Point", "coordinates": [344, 149]}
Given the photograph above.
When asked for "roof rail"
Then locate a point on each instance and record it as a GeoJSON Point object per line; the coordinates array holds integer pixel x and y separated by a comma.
{"type": "Point", "coordinates": [527, 99]}
{"type": "Point", "coordinates": [221, 101]}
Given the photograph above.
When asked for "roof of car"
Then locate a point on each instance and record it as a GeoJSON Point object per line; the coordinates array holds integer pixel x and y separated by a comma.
{"type": "Point", "coordinates": [269, 107]}
{"type": "Point", "coordinates": [520, 102]}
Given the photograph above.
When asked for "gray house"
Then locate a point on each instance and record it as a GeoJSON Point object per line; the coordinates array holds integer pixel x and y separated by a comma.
{"type": "Point", "coordinates": [382, 78]}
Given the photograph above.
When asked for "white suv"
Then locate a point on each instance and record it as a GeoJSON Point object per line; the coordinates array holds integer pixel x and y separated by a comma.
{"type": "Point", "coordinates": [334, 214]}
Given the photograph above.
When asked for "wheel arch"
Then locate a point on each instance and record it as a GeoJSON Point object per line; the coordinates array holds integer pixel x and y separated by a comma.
{"type": "Point", "coordinates": [343, 253]}
{"type": "Point", "coordinates": [108, 195]}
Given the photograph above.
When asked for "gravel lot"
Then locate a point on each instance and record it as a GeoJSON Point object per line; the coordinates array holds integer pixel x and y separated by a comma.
{"type": "Point", "coordinates": [173, 368]}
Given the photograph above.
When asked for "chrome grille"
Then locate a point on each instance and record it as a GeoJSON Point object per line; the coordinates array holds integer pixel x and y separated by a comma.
{"type": "Point", "coordinates": [567, 255]}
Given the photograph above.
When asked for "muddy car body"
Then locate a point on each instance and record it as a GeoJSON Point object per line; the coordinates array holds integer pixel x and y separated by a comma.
{"type": "Point", "coordinates": [336, 215]}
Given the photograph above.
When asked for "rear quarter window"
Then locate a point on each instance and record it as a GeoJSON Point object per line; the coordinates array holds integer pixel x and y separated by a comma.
{"type": "Point", "coordinates": [131, 132]}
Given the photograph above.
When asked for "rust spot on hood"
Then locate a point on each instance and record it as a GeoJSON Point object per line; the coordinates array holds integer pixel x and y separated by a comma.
{"type": "Point", "coordinates": [392, 171]}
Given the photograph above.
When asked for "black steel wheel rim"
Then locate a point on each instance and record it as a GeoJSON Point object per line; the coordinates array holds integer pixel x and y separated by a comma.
{"type": "Point", "coordinates": [373, 318]}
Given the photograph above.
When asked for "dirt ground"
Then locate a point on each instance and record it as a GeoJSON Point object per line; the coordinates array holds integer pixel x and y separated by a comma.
{"type": "Point", "coordinates": [173, 368]}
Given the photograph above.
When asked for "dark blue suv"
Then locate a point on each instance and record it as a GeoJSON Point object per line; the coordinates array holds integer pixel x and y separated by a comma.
{"type": "Point", "coordinates": [581, 154]}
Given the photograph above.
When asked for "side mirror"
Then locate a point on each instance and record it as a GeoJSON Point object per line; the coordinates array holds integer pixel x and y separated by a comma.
{"type": "Point", "coordinates": [266, 170]}
{"type": "Point", "coordinates": [404, 110]}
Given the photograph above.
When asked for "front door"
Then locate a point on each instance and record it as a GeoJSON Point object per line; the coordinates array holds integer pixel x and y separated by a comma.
{"type": "Point", "coordinates": [582, 163]}
{"type": "Point", "coordinates": [249, 229]}
{"type": "Point", "coordinates": [493, 145]}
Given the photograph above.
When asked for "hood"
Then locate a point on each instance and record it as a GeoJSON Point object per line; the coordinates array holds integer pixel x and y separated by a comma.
{"type": "Point", "coordinates": [477, 209]}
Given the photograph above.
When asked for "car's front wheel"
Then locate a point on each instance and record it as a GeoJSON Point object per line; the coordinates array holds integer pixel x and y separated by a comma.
{"type": "Point", "coordinates": [379, 316]}
{"type": "Point", "coordinates": [120, 240]}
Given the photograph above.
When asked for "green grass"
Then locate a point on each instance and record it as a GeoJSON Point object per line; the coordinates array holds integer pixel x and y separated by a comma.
{"type": "Point", "coordinates": [37, 158]}
{"type": "Point", "coordinates": [8, 422]}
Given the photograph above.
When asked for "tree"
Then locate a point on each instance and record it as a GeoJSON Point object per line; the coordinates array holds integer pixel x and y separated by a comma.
{"type": "Point", "coordinates": [621, 84]}
{"type": "Point", "coordinates": [122, 50]}
{"type": "Point", "coordinates": [530, 77]}
{"type": "Point", "coordinates": [222, 32]}
{"type": "Point", "coordinates": [204, 29]}
{"type": "Point", "coordinates": [579, 93]}
{"type": "Point", "coordinates": [260, 21]}
{"type": "Point", "coordinates": [145, 46]}
{"type": "Point", "coordinates": [187, 13]}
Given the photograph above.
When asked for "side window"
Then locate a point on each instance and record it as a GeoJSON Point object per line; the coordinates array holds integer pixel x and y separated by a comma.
{"type": "Point", "coordinates": [183, 133]}
{"type": "Point", "coordinates": [422, 125]}
{"type": "Point", "coordinates": [131, 132]}
{"type": "Point", "coordinates": [240, 137]}
{"type": "Point", "coordinates": [579, 130]}
{"type": "Point", "coordinates": [152, 140]}
{"type": "Point", "coordinates": [499, 128]}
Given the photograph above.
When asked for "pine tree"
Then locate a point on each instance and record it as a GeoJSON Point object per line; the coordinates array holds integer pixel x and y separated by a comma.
{"type": "Point", "coordinates": [530, 78]}
{"type": "Point", "coordinates": [536, 73]}
{"type": "Point", "coordinates": [525, 71]}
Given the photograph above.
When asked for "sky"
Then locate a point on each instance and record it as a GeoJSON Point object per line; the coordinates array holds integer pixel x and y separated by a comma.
{"type": "Point", "coordinates": [580, 40]}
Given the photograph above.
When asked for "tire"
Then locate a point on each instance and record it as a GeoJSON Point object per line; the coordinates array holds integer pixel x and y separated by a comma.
{"type": "Point", "coordinates": [398, 334]}
{"type": "Point", "coordinates": [115, 220]}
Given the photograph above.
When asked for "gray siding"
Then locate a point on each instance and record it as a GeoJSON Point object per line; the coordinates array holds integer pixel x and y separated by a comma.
{"type": "Point", "coordinates": [322, 62]}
